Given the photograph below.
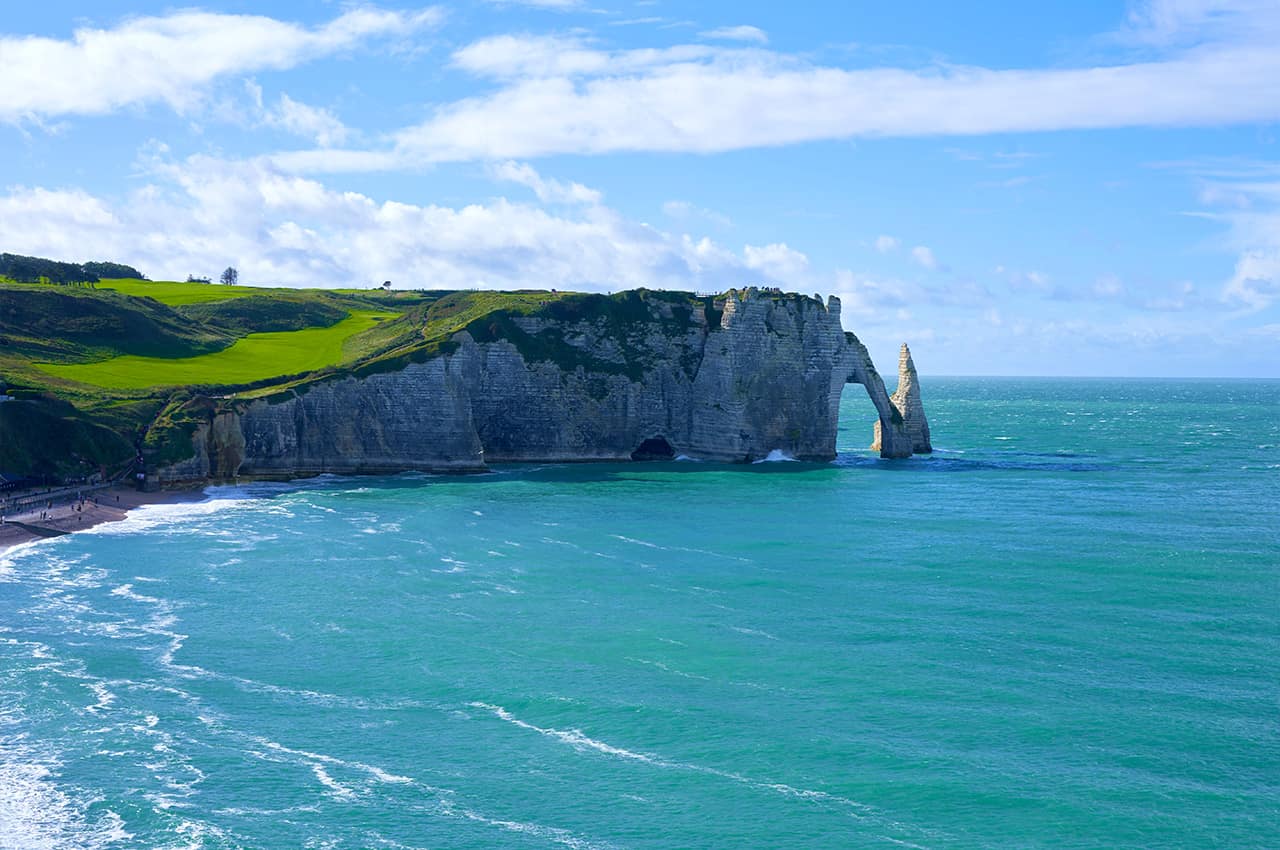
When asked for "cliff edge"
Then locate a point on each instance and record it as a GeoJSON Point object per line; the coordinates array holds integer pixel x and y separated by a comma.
{"type": "Point", "coordinates": [635, 376]}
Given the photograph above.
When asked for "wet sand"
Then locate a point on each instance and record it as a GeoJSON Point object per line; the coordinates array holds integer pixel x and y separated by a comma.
{"type": "Point", "coordinates": [109, 505]}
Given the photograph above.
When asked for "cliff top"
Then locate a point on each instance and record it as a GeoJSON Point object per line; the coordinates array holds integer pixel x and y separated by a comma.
{"type": "Point", "coordinates": [108, 359]}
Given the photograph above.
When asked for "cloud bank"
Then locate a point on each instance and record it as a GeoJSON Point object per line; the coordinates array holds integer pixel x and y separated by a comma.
{"type": "Point", "coordinates": [170, 59]}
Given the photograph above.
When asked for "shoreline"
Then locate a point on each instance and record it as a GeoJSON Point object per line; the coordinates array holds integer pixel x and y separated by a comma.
{"type": "Point", "coordinates": [103, 506]}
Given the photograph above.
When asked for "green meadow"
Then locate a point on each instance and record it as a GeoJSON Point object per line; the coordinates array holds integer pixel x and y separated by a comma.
{"type": "Point", "coordinates": [252, 358]}
{"type": "Point", "coordinates": [176, 294]}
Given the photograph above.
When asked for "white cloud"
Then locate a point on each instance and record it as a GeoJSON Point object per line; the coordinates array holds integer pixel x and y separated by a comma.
{"type": "Point", "coordinates": [320, 125]}
{"type": "Point", "coordinates": [1248, 195]}
{"type": "Point", "coordinates": [528, 56]}
{"type": "Point", "coordinates": [738, 33]}
{"type": "Point", "coordinates": [548, 191]}
{"type": "Point", "coordinates": [924, 257]}
{"type": "Point", "coordinates": [867, 297]}
{"type": "Point", "coordinates": [685, 211]}
{"type": "Point", "coordinates": [200, 215]}
{"type": "Point", "coordinates": [782, 264]}
{"type": "Point", "coordinates": [1256, 281]}
{"type": "Point", "coordinates": [170, 59]}
{"type": "Point", "coordinates": [1033, 279]}
{"type": "Point", "coordinates": [885, 244]}
{"type": "Point", "coordinates": [1181, 22]}
{"type": "Point", "coordinates": [560, 95]}
{"type": "Point", "coordinates": [1108, 286]}
{"type": "Point", "coordinates": [556, 5]}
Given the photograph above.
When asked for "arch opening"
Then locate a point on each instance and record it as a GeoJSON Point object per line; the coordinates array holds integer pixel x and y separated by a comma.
{"type": "Point", "coordinates": [654, 448]}
{"type": "Point", "coordinates": [856, 421]}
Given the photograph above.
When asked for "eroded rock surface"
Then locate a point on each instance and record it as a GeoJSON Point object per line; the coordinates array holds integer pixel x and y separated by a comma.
{"type": "Point", "coordinates": [757, 372]}
{"type": "Point", "coordinates": [910, 409]}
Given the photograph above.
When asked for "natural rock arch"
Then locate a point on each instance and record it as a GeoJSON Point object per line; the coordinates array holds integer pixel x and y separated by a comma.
{"type": "Point", "coordinates": [901, 429]}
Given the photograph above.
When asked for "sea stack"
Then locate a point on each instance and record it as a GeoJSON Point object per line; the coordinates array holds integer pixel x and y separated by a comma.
{"type": "Point", "coordinates": [909, 407]}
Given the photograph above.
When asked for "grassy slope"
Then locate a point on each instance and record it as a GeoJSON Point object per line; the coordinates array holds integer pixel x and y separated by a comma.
{"type": "Point", "coordinates": [137, 357]}
{"type": "Point", "coordinates": [176, 294]}
{"type": "Point", "coordinates": [250, 359]}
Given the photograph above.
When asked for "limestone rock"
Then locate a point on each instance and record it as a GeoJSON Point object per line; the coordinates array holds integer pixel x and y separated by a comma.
{"type": "Point", "coordinates": [764, 373]}
{"type": "Point", "coordinates": [908, 406]}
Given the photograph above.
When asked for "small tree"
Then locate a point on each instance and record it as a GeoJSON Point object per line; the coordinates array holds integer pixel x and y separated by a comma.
{"type": "Point", "coordinates": [230, 276]}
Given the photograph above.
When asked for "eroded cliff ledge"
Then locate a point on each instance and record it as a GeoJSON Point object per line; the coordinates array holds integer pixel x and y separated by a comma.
{"type": "Point", "coordinates": [595, 378]}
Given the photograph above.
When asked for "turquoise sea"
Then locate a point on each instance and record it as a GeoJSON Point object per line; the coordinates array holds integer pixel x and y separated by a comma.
{"type": "Point", "coordinates": [1060, 631]}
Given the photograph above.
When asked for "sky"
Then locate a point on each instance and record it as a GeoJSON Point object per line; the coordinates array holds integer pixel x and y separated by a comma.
{"type": "Point", "coordinates": [1068, 188]}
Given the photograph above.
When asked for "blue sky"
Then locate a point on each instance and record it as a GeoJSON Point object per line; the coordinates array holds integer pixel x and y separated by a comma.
{"type": "Point", "coordinates": [1085, 188]}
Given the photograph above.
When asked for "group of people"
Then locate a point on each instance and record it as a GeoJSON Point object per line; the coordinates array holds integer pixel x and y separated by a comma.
{"type": "Point", "coordinates": [77, 508]}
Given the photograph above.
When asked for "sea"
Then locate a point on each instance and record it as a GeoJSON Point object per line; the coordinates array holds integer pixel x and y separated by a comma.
{"type": "Point", "coordinates": [1060, 630]}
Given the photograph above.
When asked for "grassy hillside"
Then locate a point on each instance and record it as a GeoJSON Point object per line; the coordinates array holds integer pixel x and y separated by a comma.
{"type": "Point", "coordinates": [99, 369]}
{"type": "Point", "coordinates": [177, 294]}
{"type": "Point", "coordinates": [248, 360]}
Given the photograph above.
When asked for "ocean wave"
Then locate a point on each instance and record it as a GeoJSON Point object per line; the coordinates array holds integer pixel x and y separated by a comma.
{"type": "Point", "coordinates": [573, 737]}
{"type": "Point", "coordinates": [11, 557]}
{"type": "Point", "coordinates": [359, 779]}
{"type": "Point", "coordinates": [577, 739]}
{"type": "Point", "coordinates": [776, 456]}
{"type": "Point", "coordinates": [551, 833]}
{"type": "Point", "coordinates": [165, 515]}
{"type": "Point", "coordinates": [668, 669]}
{"type": "Point", "coordinates": [742, 630]}
{"type": "Point", "coordinates": [650, 545]}
{"type": "Point", "coordinates": [37, 814]}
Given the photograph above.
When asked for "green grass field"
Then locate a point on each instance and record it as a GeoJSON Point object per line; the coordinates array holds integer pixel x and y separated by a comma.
{"type": "Point", "coordinates": [175, 294]}
{"type": "Point", "coordinates": [255, 357]}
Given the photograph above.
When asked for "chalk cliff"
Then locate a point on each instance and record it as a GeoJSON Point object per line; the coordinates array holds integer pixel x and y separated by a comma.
{"type": "Point", "coordinates": [906, 401]}
{"type": "Point", "coordinates": [640, 375]}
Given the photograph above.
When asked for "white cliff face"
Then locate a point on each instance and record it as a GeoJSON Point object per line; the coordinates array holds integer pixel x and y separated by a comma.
{"type": "Point", "coordinates": [764, 375]}
{"type": "Point", "coordinates": [909, 406]}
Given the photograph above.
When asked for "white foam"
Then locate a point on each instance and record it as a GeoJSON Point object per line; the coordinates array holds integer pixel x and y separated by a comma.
{"type": "Point", "coordinates": [318, 762]}
{"type": "Point", "coordinates": [649, 545]}
{"type": "Point", "coordinates": [667, 669]}
{"type": "Point", "coordinates": [164, 515]}
{"type": "Point", "coordinates": [9, 558]}
{"type": "Point", "coordinates": [754, 632]}
{"type": "Point", "coordinates": [105, 697]}
{"type": "Point", "coordinates": [552, 833]}
{"type": "Point", "coordinates": [337, 789]}
{"type": "Point", "coordinates": [637, 542]}
{"type": "Point", "coordinates": [35, 814]}
{"type": "Point", "coordinates": [573, 737]}
{"type": "Point", "coordinates": [580, 741]}
{"type": "Point", "coordinates": [126, 591]}
{"type": "Point", "coordinates": [776, 456]}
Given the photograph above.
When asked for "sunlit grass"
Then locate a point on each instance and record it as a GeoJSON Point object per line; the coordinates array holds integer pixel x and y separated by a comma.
{"type": "Point", "coordinates": [253, 358]}
{"type": "Point", "coordinates": [175, 293]}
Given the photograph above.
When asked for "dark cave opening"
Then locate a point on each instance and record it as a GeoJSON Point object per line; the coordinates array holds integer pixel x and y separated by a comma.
{"type": "Point", "coordinates": [654, 448]}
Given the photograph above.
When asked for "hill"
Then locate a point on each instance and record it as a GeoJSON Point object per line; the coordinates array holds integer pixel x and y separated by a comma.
{"type": "Point", "coordinates": [119, 363]}
{"type": "Point", "coordinates": [206, 382]}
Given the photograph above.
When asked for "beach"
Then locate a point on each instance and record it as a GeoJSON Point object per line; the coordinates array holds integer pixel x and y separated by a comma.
{"type": "Point", "coordinates": [68, 516]}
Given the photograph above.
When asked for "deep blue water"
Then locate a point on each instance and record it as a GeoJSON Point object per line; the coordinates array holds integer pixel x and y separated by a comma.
{"type": "Point", "coordinates": [1062, 630]}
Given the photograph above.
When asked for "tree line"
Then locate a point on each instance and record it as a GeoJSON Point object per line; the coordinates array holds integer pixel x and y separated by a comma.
{"type": "Point", "coordinates": [36, 269]}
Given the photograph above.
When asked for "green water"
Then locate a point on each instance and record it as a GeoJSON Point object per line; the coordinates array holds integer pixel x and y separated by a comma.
{"type": "Point", "coordinates": [1060, 631]}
